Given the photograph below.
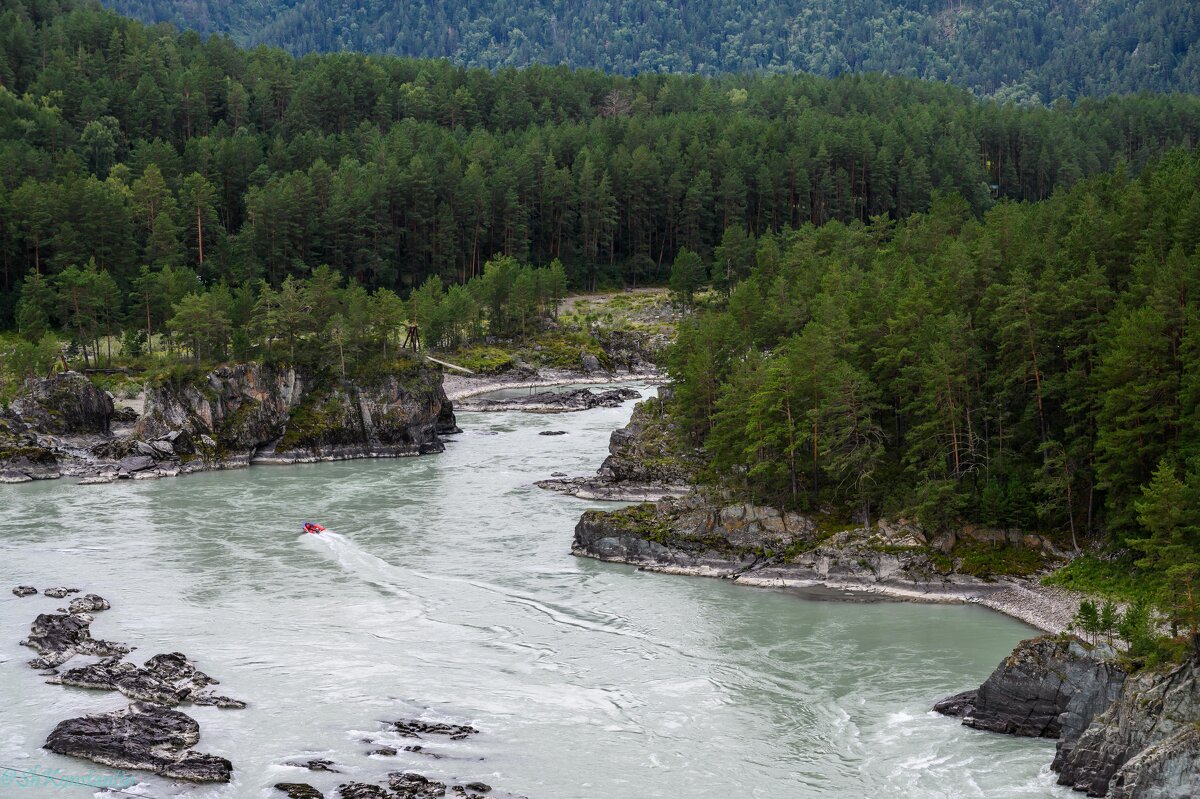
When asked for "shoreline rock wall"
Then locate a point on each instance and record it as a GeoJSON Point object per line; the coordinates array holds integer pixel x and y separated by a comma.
{"type": "Point", "coordinates": [231, 417]}
{"type": "Point", "coordinates": [645, 461]}
{"type": "Point", "coordinates": [756, 545]}
{"type": "Point", "coordinates": [1119, 736]}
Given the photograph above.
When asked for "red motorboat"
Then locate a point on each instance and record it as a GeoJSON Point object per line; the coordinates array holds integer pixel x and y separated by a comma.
{"type": "Point", "coordinates": [310, 527]}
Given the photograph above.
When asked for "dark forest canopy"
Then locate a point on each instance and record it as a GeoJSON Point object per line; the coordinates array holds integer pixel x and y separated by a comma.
{"type": "Point", "coordinates": [1016, 48]}
{"type": "Point", "coordinates": [143, 147]}
{"type": "Point", "coordinates": [1035, 369]}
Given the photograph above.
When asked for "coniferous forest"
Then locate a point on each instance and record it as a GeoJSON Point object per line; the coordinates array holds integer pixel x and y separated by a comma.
{"type": "Point", "coordinates": [1021, 49]}
{"type": "Point", "coordinates": [143, 149]}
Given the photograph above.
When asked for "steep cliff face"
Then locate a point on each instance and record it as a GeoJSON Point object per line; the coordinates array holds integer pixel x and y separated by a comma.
{"type": "Point", "coordinates": [1050, 687]}
{"type": "Point", "coordinates": [250, 413]}
{"type": "Point", "coordinates": [233, 416]}
{"type": "Point", "coordinates": [1146, 745]}
{"type": "Point", "coordinates": [1119, 736]}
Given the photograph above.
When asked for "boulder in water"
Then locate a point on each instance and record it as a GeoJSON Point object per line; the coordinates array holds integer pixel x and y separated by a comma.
{"type": "Point", "coordinates": [299, 790]}
{"type": "Point", "coordinates": [89, 603]}
{"type": "Point", "coordinates": [24, 590]}
{"type": "Point", "coordinates": [59, 592]}
{"type": "Point", "coordinates": [144, 737]}
{"type": "Point", "coordinates": [59, 637]}
{"type": "Point", "coordinates": [411, 728]}
{"type": "Point", "coordinates": [168, 680]}
{"type": "Point", "coordinates": [317, 765]}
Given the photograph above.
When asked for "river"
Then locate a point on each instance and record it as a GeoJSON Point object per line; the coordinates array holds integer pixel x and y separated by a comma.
{"type": "Point", "coordinates": [444, 591]}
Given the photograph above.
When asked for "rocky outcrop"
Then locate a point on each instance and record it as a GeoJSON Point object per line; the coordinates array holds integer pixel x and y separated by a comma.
{"type": "Point", "coordinates": [254, 414]}
{"type": "Point", "coordinates": [630, 350]}
{"type": "Point", "coordinates": [65, 404]}
{"type": "Point", "coordinates": [89, 603]}
{"type": "Point", "coordinates": [1049, 687]}
{"type": "Point", "coordinates": [24, 590]}
{"type": "Point", "coordinates": [556, 401]}
{"type": "Point", "coordinates": [230, 417]}
{"type": "Point", "coordinates": [145, 737]}
{"type": "Point", "coordinates": [47, 410]}
{"type": "Point", "coordinates": [410, 728]}
{"type": "Point", "coordinates": [168, 679]}
{"type": "Point", "coordinates": [1146, 745]}
{"type": "Point", "coordinates": [1120, 736]}
{"type": "Point", "coordinates": [755, 545]}
{"type": "Point", "coordinates": [646, 461]}
{"type": "Point", "coordinates": [58, 637]}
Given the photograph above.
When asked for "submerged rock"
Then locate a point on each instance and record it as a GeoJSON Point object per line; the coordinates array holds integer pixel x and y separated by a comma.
{"type": "Point", "coordinates": [362, 790]}
{"type": "Point", "coordinates": [59, 592]}
{"type": "Point", "coordinates": [59, 637]}
{"type": "Point", "coordinates": [24, 590]}
{"type": "Point", "coordinates": [299, 790]}
{"type": "Point", "coordinates": [89, 603]}
{"type": "Point", "coordinates": [145, 738]}
{"type": "Point", "coordinates": [409, 728]}
{"type": "Point", "coordinates": [417, 749]}
{"type": "Point", "coordinates": [317, 765]}
{"type": "Point", "coordinates": [553, 433]}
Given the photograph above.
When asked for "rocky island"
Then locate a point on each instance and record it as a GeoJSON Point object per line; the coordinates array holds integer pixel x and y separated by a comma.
{"type": "Point", "coordinates": [230, 417]}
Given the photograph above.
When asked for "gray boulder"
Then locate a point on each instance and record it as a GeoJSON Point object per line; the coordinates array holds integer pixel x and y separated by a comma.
{"type": "Point", "coordinates": [144, 737]}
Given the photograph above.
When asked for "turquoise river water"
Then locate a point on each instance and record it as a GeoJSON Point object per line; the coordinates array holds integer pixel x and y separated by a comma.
{"type": "Point", "coordinates": [445, 591]}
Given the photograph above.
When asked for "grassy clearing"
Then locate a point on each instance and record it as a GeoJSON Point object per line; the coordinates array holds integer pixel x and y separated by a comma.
{"type": "Point", "coordinates": [1114, 577]}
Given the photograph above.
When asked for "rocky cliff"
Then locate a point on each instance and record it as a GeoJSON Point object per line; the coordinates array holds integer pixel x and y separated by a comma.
{"type": "Point", "coordinates": [1146, 745]}
{"type": "Point", "coordinates": [230, 417]}
{"type": "Point", "coordinates": [646, 461]}
{"type": "Point", "coordinates": [1120, 736]}
{"type": "Point", "coordinates": [1049, 687]}
{"type": "Point", "coordinates": [47, 413]}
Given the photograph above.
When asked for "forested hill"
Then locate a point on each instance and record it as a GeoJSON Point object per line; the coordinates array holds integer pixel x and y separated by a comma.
{"type": "Point", "coordinates": [143, 147]}
{"type": "Point", "coordinates": [1015, 48]}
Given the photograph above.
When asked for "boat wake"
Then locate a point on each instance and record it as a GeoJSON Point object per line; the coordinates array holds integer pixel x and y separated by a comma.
{"type": "Point", "coordinates": [356, 561]}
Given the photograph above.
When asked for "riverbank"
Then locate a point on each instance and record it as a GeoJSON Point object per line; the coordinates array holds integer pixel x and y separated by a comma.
{"type": "Point", "coordinates": [862, 576]}
{"type": "Point", "coordinates": [679, 530]}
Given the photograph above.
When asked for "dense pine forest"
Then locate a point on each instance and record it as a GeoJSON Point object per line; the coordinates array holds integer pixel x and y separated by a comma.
{"type": "Point", "coordinates": [1026, 49]}
{"type": "Point", "coordinates": [143, 150]}
{"type": "Point", "coordinates": [1035, 369]}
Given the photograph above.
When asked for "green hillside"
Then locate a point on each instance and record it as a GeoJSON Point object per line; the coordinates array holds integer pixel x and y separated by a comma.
{"type": "Point", "coordinates": [1014, 48]}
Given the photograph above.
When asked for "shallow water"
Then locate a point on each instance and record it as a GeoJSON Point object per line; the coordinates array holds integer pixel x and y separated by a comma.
{"type": "Point", "coordinates": [444, 590]}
